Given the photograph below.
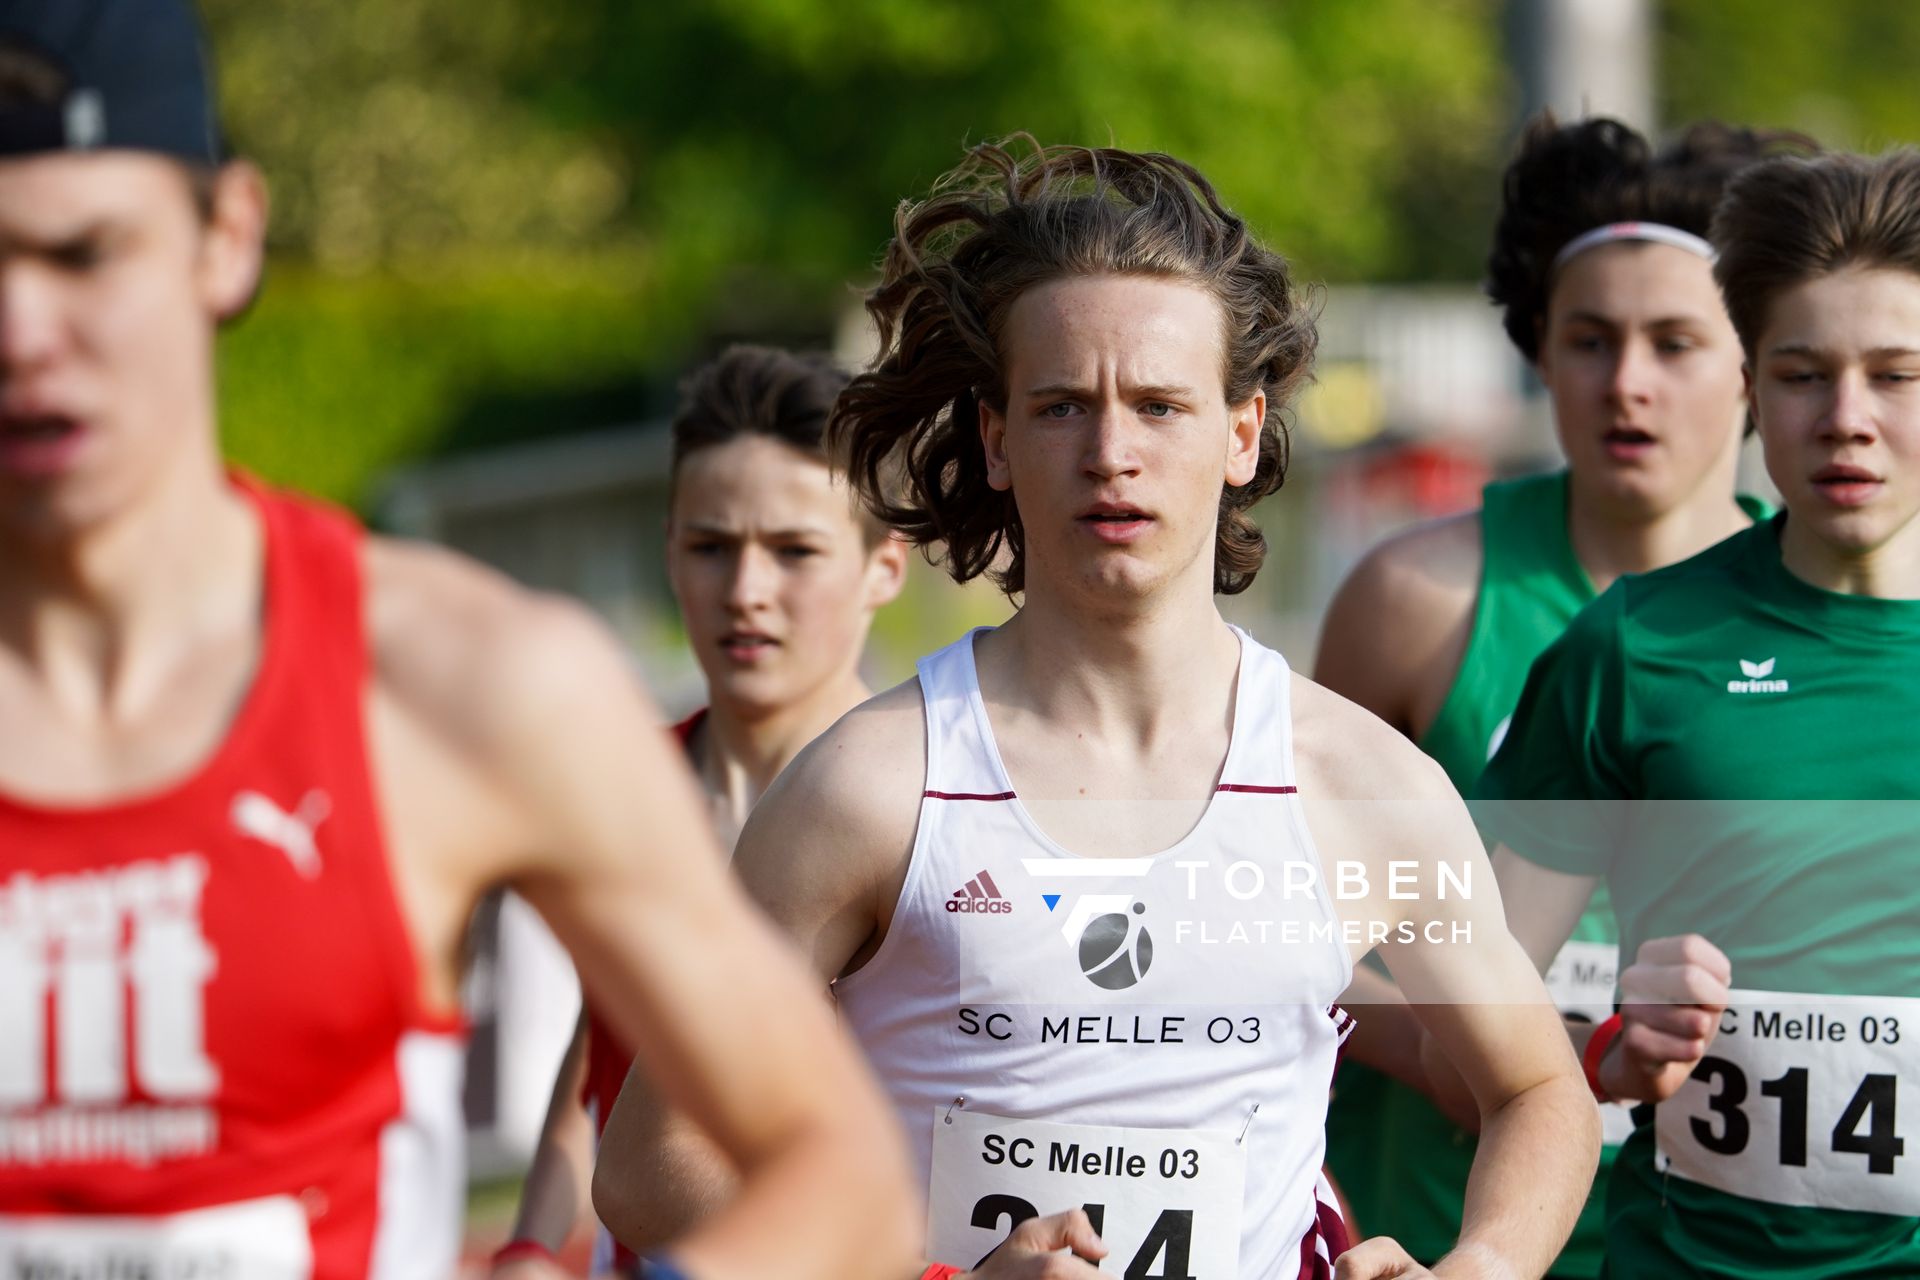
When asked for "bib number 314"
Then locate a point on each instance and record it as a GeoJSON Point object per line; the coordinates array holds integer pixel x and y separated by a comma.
{"type": "Point", "coordinates": [1799, 1103]}
{"type": "Point", "coordinates": [1166, 1202]}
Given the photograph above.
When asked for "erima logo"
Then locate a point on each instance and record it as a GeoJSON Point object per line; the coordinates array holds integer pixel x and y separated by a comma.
{"type": "Point", "coordinates": [980, 895]}
{"type": "Point", "coordinates": [1104, 929]}
{"type": "Point", "coordinates": [1756, 679]}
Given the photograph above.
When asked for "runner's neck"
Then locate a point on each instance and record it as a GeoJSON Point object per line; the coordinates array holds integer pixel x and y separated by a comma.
{"type": "Point", "coordinates": [741, 751]}
{"type": "Point", "coordinates": [1890, 571]}
{"type": "Point", "coordinates": [1123, 682]}
{"type": "Point", "coordinates": [99, 613]}
{"type": "Point", "coordinates": [1608, 546]}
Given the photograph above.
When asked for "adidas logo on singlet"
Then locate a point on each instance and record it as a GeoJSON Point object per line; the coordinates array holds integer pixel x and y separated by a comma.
{"type": "Point", "coordinates": [1756, 681]}
{"type": "Point", "coordinates": [980, 895]}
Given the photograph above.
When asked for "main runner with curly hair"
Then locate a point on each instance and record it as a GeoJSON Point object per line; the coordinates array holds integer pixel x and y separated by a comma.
{"type": "Point", "coordinates": [1065, 883]}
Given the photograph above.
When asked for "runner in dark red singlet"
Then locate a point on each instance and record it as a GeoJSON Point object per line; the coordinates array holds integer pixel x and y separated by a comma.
{"type": "Point", "coordinates": [778, 578]}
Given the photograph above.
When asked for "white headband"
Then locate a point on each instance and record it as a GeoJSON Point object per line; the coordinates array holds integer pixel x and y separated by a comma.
{"type": "Point", "coordinates": [1657, 232]}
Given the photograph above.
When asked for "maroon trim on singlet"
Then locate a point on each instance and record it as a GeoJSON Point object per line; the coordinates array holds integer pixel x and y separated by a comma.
{"type": "Point", "coordinates": [1343, 1025]}
{"type": "Point", "coordinates": [1258, 791]}
{"type": "Point", "coordinates": [1330, 1229]}
{"type": "Point", "coordinates": [966, 795]}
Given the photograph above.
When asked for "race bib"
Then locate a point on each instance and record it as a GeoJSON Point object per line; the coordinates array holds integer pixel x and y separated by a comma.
{"type": "Point", "coordinates": [1581, 981]}
{"type": "Point", "coordinates": [1798, 1102]}
{"type": "Point", "coordinates": [264, 1239]}
{"type": "Point", "coordinates": [1167, 1202]}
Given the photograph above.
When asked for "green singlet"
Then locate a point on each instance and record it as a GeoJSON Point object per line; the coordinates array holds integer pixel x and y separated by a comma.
{"type": "Point", "coordinates": [1737, 752]}
{"type": "Point", "coordinates": [1401, 1163]}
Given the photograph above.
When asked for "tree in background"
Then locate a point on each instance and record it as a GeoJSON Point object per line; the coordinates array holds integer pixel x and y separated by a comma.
{"type": "Point", "coordinates": [1843, 73]}
{"type": "Point", "coordinates": [501, 217]}
{"type": "Point", "coordinates": [507, 202]}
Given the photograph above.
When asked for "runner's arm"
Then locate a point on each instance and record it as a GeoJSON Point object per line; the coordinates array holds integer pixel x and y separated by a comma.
{"type": "Point", "coordinates": [1392, 642]}
{"type": "Point", "coordinates": [1372, 795]}
{"type": "Point", "coordinates": [1542, 907]}
{"type": "Point", "coordinates": [1487, 1011]}
{"type": "Point", "coordinates": [620, 858]}
{"type": "Point", "coordinates": [556, 1187]}
{"type": "Point", "coordinates": [1397, 629]}
{"type": "Point", "coordinates": [822, 851]}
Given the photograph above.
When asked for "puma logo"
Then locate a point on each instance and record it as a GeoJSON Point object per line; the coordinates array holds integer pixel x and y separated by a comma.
{"type": "Point", "coordinates": [291, 833]}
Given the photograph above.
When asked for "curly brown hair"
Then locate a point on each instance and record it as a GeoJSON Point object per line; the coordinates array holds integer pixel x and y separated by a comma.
{"type": "Point", "coordinates": [1013, 215]}
{"type": "Point", "coordinates": [1567, 179]}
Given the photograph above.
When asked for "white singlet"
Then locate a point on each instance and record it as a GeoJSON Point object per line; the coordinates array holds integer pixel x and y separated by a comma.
{"type": "Point", "coordinates": [1149, 1037]}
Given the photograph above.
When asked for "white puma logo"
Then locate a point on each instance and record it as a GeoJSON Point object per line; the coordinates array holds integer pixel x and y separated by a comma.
{"type": "Point", "coordinates": [1757, 670]}
{"type": "Point", "coordinates": [291, 833]}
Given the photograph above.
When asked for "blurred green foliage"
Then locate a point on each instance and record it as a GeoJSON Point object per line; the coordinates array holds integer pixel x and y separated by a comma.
{"type": "Point", "coordinates": [481, 203]}
{"type": "Point", "coordinates": [1843, 73]}
{"type": "Point", "coordinates": [500, 217]}
{"type": "Point", "coordinates": [334, 379]}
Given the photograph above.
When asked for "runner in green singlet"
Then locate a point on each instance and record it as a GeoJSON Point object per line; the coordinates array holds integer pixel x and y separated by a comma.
{"type": "Point", "coordinates": [1735, 745]}
{"type": "Point", "coordinates": [1436, 628]}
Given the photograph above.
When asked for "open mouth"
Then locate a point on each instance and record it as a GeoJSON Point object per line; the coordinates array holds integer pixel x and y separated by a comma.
{"type": "Point", "coordinates": [1116, 522]}
{"type": "Point", "coordinates": [38, 444]}
{"type": "Point", "coordinates": [1628, 441]}
{"type": "Point", "coordinates": [747, 646]}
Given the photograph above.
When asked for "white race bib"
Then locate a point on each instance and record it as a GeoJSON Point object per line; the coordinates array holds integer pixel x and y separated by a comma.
{"type": "Point", "coordinates": [1167, 1202]}
{"type": "Point", "coordinates": [1800, 1101]}
{"type": "Point", "coordinates": [1581, 981]}
{"type": "Point", "coordinates": [264, 1239]}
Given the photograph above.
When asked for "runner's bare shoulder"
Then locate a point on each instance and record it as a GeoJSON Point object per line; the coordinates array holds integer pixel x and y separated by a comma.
{"type": "Point", "coordinates": [1398, 627]}
{"type": "Point", "coordinates": [1364, 785]}
{"type": "Point", "coordinates": [489, 700]}
{"type": "Point", "coordinates": [835, 832]}
{"type": "Point", "coordinates": [1352, 753]}
{"type": "Point", "coordinates": [475, 652]}
{"type": "Point", "coordinates": [860, 781]}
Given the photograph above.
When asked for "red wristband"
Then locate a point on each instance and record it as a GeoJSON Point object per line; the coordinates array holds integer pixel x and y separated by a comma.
{"type": "Point", "coordinates": [1603, 1037]}
{"type": "Point", "coordinates": [519, 1250]}
{"type": "Point", "coordinates": [939, 1271]}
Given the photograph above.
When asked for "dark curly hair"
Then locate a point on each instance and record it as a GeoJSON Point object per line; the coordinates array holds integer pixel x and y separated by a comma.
{"type": "Point", "coordinates": [1570, 178]}
{"type": "Point", "coordinates": [1790, 221]}
{"type": "Point", "coordinates": [1014, 215]}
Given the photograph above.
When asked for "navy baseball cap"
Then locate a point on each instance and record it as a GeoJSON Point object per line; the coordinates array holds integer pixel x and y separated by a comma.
{"type": "Point", "coordinates": [125, 74]}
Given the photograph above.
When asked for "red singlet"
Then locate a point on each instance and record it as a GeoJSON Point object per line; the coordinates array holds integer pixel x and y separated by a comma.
{"type": "Point", "coordinates": [214, 1060]}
